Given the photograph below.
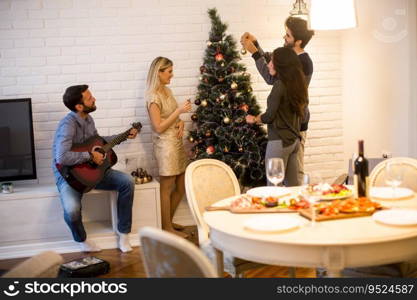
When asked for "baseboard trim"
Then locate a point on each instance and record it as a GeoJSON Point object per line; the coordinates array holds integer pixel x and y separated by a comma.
{"type": "Point", "coordinates": [65, 246]}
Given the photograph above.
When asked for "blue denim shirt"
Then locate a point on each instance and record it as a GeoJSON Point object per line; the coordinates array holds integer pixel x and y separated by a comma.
{"type": "Point", "coordinates": [72, 129]}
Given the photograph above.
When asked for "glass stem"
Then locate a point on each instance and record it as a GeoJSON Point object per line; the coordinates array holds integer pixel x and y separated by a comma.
{"type": "Point", "coordinates": [313, 215]}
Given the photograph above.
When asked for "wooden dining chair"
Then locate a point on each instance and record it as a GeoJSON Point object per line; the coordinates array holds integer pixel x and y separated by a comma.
{"type": "Point", "coordinates": [206, 182]}
{"type": "Point", "coordinates": [43, 265]}
{"type": "Point", "coordinates": [409, 165]}
{"type": "Point", "coordinates": [377, 178]}
{"type": "Point", "coordinates": [167, 255]}
{"type": "Point", "coordinates": [372, 163]}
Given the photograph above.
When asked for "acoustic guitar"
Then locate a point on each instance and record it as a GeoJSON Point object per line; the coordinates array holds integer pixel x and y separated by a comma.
{"type": "Point", "coordinates": [84, 177]}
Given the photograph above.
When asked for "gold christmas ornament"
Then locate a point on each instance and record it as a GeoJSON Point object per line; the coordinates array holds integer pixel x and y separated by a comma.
{"type": "Point", "coordinates": [226, 120]}
{"type": "Point", "coordinates": [234, 85]}
{"type": "Point", "coordinates": [204, 103]}
{"type": "Point", "coordinates": [209, 43]}
{"type": "Point", "coordinates": [138, 180]}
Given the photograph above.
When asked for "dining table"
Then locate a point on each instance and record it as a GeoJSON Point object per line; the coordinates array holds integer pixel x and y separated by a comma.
{"type": "Point", "coordinates": [333, 245]}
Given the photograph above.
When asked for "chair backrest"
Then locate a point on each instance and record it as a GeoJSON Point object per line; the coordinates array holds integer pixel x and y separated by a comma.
{"type": "Point", "coordinates": [377, 177]}
{"type": "Point", "coordinates": [166, 255]}
{"type": "Point", "coordinates": [206, 182]}
{"type": "Point", "coordinates": [43, 265]}
{"type": "Point", "coordinates": [372, 163]}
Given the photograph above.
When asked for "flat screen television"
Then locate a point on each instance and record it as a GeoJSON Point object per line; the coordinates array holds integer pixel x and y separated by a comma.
{"type": "Point", "coordinates": [17, 151]}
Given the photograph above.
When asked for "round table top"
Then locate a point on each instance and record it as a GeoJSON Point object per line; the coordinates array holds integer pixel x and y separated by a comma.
{"type": "Point", "coordinates": [353, 231]}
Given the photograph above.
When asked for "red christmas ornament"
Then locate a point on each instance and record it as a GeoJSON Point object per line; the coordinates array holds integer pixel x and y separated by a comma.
{"type": "Point", "coordinates": [210, 150]}
{"type": "Point", "coordinates": [244, 107]}
{"type": "Point", "coordinates": [203, 69]}
{"type": "Point", "coordinates": [219, 57]}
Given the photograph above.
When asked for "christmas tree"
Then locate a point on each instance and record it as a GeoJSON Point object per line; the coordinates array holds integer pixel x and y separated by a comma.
{"type": "Point", "coordinates": [224, 98]}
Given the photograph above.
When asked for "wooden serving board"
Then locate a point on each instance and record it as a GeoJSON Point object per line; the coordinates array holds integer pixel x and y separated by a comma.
{"type": "Point", "coordinates": [306, 213]}
{"type": "Point", "coordinates": [251, 210]}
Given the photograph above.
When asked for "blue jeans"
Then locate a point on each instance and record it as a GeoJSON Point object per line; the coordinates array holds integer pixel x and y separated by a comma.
{"type": "Point", "coordinates": [113, 181]}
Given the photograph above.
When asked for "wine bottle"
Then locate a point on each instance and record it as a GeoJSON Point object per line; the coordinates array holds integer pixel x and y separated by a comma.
{"type": "Point", "coordinates": [361, 173]}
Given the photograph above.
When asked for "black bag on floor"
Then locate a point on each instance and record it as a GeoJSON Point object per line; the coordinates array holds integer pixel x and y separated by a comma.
{"type": "Point", "coordinates": [89, 266]}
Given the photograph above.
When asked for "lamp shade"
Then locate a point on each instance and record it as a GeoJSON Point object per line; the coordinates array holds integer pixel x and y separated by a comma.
{"type": "Point", "coordinates": [332, 14]}
{"type": "Point", "coordinates": [299, 10]}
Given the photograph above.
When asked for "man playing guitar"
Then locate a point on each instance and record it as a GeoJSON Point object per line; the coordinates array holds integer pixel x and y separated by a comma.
{"type": "Point", "coordinates": [75, 128]}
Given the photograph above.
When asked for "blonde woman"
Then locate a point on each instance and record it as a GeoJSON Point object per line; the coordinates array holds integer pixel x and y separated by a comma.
{"type": "Point", "coordinates": [168, 131]}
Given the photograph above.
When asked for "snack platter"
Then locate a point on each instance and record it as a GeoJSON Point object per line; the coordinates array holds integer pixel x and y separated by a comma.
{"type": "Point", "coordinates": [245, 204]}
{"type": "Point", "coordinates": [327, 192]}
{"type": "Point", "coordinates": [342, 209]}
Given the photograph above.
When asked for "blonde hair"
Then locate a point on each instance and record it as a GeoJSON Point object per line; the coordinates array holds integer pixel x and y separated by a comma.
{"type": "Point", "coordinates": [152, 82]}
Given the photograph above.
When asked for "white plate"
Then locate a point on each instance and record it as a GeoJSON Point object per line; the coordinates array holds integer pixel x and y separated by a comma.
{"type": "Point", "coordinates": [387, 193]}
{"type": "Point", "coordinates": [397, 217]}
{"type": "Point", "coordinates": [270, 224]}
{"type": "Point", "coordinates": [268, 191]}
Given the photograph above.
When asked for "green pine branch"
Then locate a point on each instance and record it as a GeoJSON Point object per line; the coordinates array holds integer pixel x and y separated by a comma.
{"type": "Point", "coordinates": [224, 98]}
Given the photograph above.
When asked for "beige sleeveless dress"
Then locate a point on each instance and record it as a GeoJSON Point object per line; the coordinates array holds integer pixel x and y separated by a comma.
{"type": "Point", "coordinates": [168, 148]}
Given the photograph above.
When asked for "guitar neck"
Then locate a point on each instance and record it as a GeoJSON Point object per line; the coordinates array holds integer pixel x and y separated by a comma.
{"type": "Point", "coordinates": [116, 141]}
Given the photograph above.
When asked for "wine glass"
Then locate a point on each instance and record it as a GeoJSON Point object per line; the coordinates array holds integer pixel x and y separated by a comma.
{"type": "Point", "coordinates": [309, 194]}
{"type": "Point", "coordinates": [394, 173]}
{"type": "Point", "coordinates": [275, 170]}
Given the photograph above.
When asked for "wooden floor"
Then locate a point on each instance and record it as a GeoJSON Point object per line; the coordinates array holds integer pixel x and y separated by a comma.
{"type": "Point", "coordinates": [129, 265]}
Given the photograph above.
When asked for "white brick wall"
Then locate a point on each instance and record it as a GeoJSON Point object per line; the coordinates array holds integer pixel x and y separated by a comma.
{"type": "Point", "coordinates": [47, 45]}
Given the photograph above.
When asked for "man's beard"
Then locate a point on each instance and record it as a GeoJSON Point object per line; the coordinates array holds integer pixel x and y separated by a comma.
{"type": "Point", "coordinates": [88, 110]}
{"type": "Point", "coordinates": [289, 45]}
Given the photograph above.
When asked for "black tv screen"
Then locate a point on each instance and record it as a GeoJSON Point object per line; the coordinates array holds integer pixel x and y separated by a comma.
{"type": "Point", "coordinates": [17, 151]}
